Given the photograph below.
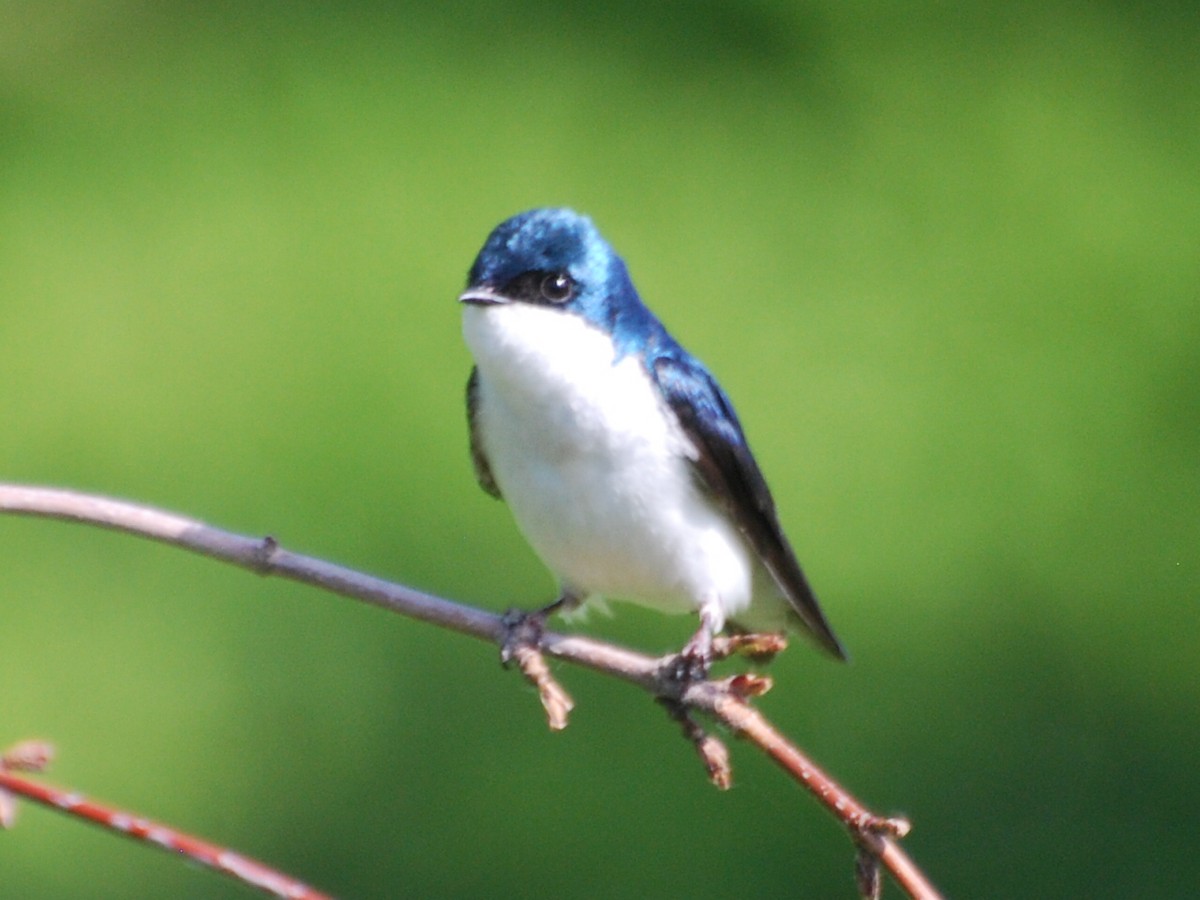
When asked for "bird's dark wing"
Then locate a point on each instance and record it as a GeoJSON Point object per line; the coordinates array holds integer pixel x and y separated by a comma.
{"type": "Point", "coordinates": [727, 469]}
{"type": "Point", "coordinates": [483, 471]}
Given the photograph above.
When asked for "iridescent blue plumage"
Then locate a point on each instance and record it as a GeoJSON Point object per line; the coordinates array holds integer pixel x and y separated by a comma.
{"type": "Point", "coordinates": [558, 240]}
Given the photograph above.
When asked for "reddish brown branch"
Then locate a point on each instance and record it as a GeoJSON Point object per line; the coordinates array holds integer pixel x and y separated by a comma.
{"type": "Point", "coordinates": [725, 700]}
{"type": "Point", "coordinates": [35, 755]}
{"type": "Point", "coordinates": [876, 834]}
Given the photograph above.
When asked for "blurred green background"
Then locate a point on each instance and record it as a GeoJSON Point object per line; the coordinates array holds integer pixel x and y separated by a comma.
{"type": "Point", "coordinates": [946, 261]}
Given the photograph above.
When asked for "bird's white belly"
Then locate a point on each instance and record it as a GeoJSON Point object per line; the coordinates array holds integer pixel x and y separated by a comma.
{"type": "Point", "coordinates": [594, 465]}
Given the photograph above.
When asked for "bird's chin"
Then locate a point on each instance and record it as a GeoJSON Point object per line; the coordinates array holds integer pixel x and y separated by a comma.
{"type": "Point", "coordinates": [482, 327]}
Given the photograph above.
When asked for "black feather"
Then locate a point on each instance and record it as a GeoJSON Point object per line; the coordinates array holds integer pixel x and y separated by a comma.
{"type": "Point", "coordinates": [483, 470]}
{"type": "Point", "coordinates": [727, 468]}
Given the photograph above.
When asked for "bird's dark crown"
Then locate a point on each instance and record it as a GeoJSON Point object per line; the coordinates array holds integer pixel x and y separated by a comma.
{"type": "Point", "coordinates": [524, 255]}
{"type": "Point", "coordinates": [542, 240]}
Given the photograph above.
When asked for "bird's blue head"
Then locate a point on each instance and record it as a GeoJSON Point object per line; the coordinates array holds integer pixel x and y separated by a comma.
{"type": "Point", "coordinates": [556, 258]}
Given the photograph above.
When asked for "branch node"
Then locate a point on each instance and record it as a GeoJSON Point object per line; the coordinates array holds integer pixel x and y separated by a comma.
{"type": "Point", "coordinates": [263, 555]}
{"type": "Point", "coordinates": [521, 629]}
{"type": "Point", "coordinates": [887, 826]}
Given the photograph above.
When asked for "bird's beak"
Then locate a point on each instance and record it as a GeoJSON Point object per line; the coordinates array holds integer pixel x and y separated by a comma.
{"type": "Point", "coordinates": [482, 295]}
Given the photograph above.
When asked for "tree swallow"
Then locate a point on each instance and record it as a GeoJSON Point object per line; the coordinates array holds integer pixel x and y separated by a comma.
{"type": "Point", "coordinates": [621, 458]}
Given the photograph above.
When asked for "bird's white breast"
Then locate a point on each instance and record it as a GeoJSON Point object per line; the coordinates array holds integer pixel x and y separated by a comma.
{"type": "Point", "coordinates": [594, 465]}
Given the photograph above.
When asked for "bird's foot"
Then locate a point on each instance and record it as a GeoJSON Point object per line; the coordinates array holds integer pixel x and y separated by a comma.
{"type": "Point", "coordinates": [524, 629]}
{"type": "Point", "coordinates": [522, 645]}
{"type": "Point", "coordinates": [694, 660]}
{"type": "Point", "coordinates": [521, 629]}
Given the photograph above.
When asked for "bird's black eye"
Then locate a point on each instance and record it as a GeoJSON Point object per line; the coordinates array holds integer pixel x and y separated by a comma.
{"type": "Point", "coordinates": [557, 287]}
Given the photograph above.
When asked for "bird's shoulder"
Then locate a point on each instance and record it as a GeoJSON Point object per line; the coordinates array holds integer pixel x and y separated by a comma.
{"type": "Point", "coordinates": [707, 417]}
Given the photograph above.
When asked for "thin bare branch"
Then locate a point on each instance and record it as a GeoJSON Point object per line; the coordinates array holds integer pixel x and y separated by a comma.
{"type": "Point", "coordinates": [555, 700]}
{"type": "Point", "coordinates": [712, 751]}
{"type": "Point", "coordinates": [35, 755]}
{"type": "Point", "coordinates": [726, 701]}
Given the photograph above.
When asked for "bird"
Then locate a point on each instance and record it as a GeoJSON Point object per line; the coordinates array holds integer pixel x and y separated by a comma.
{"type": "Point", "coordinates": [620, 457]}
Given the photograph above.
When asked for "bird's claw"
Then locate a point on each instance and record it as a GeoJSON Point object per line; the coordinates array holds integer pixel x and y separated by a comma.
{"type": "Point", "coordinates": [521, 629]}
{"type": "Point", "coordinates": [686, 667]}
{"type": "Point", "coordinates": [693, 662]}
